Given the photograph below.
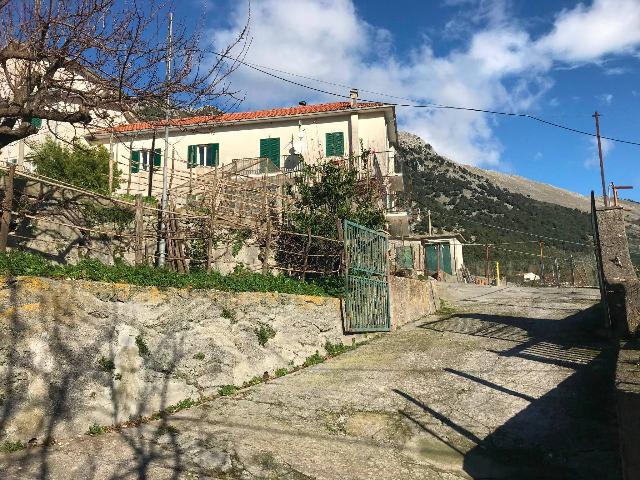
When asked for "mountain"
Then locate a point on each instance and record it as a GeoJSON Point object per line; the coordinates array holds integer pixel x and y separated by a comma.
{"type": "Point", "coordinates": [489, 207]}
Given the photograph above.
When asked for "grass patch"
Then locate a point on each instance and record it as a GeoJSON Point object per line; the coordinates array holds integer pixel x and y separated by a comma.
{"type": "Point", "coordinates": [254, 381]}
{"type": "Point", "coordinates": [96, 429]}
{"type": "Point", "coordinates": [143, 349]}
{"type": "Point", "coordinates": [198, 356]}
{"type": "Point", "coordinates": [10, 447]}
{"type": "Point", "coordinates": [181, 405]}
{"type": "Point", "coordinates": [314, 359]}
{"type": "Point", "coordinates": [106, 364]}
{"type": "Point", "coordinates": [226, 390]}
{"type": "Point", "coordinates": [15, 263]}
{"type": "Point", "coordinates": [264, 332]}
{"type": "Point", "coordinates": [334, 349]}
{"type": "Point", "coordinates": [281, 372]}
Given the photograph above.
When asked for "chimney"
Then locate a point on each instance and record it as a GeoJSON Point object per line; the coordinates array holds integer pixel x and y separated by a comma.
{"type": "Point", "coordinates": [354, 97]}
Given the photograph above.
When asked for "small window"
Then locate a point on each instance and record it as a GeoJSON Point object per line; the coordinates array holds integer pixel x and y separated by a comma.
{"type": "Point", "coordinates": [206, 155]}
{"type": "Point", "coordinates": [143, 157]}
{"type": "Point", "coordinates": [335, 144]}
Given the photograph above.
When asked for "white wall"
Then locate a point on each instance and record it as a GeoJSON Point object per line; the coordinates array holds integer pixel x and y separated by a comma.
{"type": "Point", "coordinates": [242, 140]}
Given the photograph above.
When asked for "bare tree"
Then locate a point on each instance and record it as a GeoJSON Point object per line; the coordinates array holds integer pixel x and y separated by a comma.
{"type": "Point", "coordinates": [76, 61]}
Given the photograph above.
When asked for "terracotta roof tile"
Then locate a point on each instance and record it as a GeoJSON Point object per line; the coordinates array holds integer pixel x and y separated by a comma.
{"type": "Point", "coordinates": [239, 116]}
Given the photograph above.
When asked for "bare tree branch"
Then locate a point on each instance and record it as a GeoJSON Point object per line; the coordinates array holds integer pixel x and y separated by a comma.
{"type": "Point", "coordinates": [66, 60]}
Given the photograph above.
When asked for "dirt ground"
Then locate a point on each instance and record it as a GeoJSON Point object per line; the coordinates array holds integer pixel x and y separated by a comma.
{"type": "Point", "coordinates": [506, 383]}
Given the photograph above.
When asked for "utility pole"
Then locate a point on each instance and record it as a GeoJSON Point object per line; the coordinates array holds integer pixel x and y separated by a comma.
{"type": "Point", "coordinates": [151, 158]}
{"type": "Point", "coordinates": [541, 262]}
{"type": "Point", "coordinates": [596, 115]}
{"type": "Point", "coordinates": [429, 216]}
{"type": "Point", "coordinates": [162, 242]}
{"type": "Point", "coordinates": [486, 263]}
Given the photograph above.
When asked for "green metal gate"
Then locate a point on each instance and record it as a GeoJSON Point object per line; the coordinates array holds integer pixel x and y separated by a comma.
{"type": "Point", "coordinates": [367, 299]}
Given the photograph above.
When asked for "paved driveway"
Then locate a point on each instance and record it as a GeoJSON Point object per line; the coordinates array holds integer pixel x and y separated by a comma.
{"type": "Point", "coordinates": [514, 383]}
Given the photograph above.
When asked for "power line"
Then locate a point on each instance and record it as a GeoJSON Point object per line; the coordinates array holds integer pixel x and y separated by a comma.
{"type": "Point", "coordinates": [263, 69]}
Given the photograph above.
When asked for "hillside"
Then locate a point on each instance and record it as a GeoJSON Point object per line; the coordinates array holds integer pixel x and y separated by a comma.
{"type": "Point", "coordinates": [491, 207]}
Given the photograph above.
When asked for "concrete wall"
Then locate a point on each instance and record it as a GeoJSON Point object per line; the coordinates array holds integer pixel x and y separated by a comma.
{"type": "Point", "coordinates": [412, 299]}
{"type": "Point", "coordinates": [58, 336]}
{"type": "Point", "coordinates": [621, 285]}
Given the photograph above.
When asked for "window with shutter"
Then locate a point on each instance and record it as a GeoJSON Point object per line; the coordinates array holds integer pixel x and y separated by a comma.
{"type": "Point", "coordinates": [270, 148]}
{"type": "Point", "coordinates": [135, 161]}
{"type": "Point", "coordinates": [157, 158]}
{"type": "Point", "coordinates": [203, 155]}
{"type": "Point", "coordinates": [334, 144]}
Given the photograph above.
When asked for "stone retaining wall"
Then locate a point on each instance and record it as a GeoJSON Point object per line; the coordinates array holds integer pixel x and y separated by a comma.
{"type": "Point", "coordinates": [75, 353]}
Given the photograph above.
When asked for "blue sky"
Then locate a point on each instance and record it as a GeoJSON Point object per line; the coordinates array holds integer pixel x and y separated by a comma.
{"type": "Point", "coordinates": [560, 60]}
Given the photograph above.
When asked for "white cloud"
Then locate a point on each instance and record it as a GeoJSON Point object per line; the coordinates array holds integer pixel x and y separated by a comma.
{"type": "Point", "coordinates": [605, 98]}
{"type": "Point", "coordinates": [501, 66]}
{"type": "Point", "coordinates": [592, 162]}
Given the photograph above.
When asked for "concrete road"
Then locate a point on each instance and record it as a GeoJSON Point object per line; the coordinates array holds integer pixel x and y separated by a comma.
{"type": "Point", "coordinates": [511, 383]}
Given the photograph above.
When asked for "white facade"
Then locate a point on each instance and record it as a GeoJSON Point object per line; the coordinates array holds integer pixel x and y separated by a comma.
{"type": "Point", "coordinates": [300, 130]}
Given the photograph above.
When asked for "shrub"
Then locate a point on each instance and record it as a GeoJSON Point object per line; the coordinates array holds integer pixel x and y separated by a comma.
{"type": "Point", "coordinates": [181, 405]}
{"type": "Point", "coordinates": [281, 372]}
{"type": "Point", "coordinates": [81, 165]}
{"type": "Point", "coordinates": [334, 349]}
{"type": "Point", "coordinates": [198, 356]}
{"type": "Point", "coordinates": [264, 332]}
{"type": "Point", "coordinates": [106, 364]}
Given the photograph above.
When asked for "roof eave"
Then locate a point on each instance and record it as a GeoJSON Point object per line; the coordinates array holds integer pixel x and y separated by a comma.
{"type": "Point", "coordinates": [213, 124]}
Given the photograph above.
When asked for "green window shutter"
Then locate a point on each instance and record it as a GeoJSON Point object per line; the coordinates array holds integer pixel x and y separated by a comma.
{"type": "Point", "coordinates": [191, 156]}
{"type": "Point", "coordinates": [135, 161]}
{"type": "Point", "coordinates": [265, 145]}
{"type": "Point", "coordinates": [338, 143]}
{"type": "Point", "coordinates": [275, 151]}
{"type": "Point", "coordinates": [335, 144]}
{"type": "Point", "coordinates": [157, 158]}
{"type": "Point", "coordinates": [36, 122]}
{"type": "Point", "coordinates": [329, 144]}
{"type": "Point", "coordinates": [214, 148]}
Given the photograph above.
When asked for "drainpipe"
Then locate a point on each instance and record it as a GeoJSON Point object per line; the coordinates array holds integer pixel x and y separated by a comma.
{"type": "Point", "coordinates": [353, 124]}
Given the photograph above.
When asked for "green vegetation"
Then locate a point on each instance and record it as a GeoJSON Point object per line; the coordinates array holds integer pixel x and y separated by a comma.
{"type": "Point", "coordinates": [152, 201]}
{"type": "Point", "coordinates": [228, 313]}
{"type": "Point", "coordinates": [10, 447]}
{"type": "Point", "coordinates": [281, 372]}
{"type": "Point", "coordinates": [119, 216]}
{"type": "Point", "coordinates": [143, 349]}
{"type": "Point", "coordinates": [334, 349]}
{"type": "Point", "coordinates": [181, 405]}
{"type": "Point", "coordinates": [254, 381]}
{"type": "Point", "coordinates": [327, 194]}
{"type": "Point", "coordinates": [106, 364]}
{"type": "Point", "coordinates": [463, 201]}
{"type": "Point", "coordinates": [96, 429]}
{"type": "Point", "coordinates": [314, 359]}
{"type": "Point", "coordinates": [264, 332]}
{"type": "Point", "coordinates": [83, 166]}
{"type": "Point", "coordinates": [238, 241]}
{"type": "Point", "coordinates": [198, 356]}
{"type": "Point", "coordinates": [226, 390]}
{"type": "Point", "coordinates": [22, 263]}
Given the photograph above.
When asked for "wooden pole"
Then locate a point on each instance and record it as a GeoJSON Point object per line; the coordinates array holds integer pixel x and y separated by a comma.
{"type": "Point", "coordinates": [573, 271]}
{"type": "Point", "coordinates": [7, 205]}
{"type": "Point", "coordinates": [605, 198]}
{"type": "Point", "coordinates": [306, 255]}
{"type": "Point", "coordinates": [139, 230]}
{"type": "Point", "coordinates": [486, 263]}
{"type": "Point", "coordinates": [541, 243]}
{"type": "Point", "coordinates": [267, 248]}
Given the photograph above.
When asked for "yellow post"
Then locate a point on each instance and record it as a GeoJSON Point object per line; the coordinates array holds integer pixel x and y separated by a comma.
{"type": "Point", "coordinates": [497, 273]}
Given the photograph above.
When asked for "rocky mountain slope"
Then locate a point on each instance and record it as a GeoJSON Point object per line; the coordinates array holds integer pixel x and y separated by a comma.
{"type": "Point", "coordinates": [492, 207]}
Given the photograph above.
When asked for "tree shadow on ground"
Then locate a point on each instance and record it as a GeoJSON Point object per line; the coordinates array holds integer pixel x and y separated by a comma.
{"type": "Point", "coordinates": [570, 431]}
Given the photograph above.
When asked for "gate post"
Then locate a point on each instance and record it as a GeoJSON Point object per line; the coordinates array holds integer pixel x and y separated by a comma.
{"type": "Point", "coordinates": [7, 205]}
